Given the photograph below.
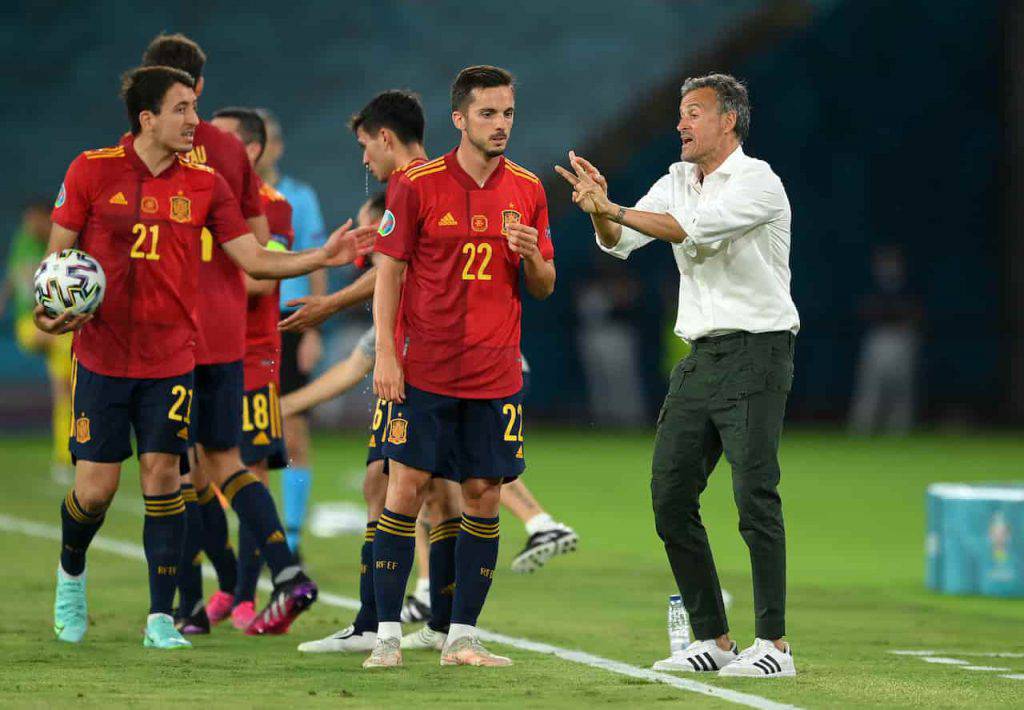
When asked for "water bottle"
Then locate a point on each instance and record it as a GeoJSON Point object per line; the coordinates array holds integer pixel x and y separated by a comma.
{"type": "Point", "coordinates": [678, 624]}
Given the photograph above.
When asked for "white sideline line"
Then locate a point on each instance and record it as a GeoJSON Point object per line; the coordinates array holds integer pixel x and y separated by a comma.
{"type": "Point", "coordinates": [134, 551]}
{"type": "Point", "coordinates": [972, 654]}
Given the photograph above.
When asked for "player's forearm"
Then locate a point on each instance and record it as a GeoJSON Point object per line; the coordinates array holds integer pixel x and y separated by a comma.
{"type": "Point", "coordinates": [318, 282]}
{"type": "Point", "coordinates": [658, 225]}
{"type": "Point", "coordinates": [539, 276]}
{"type": "Point", "coordinates": [387, 292]}
{"type": "Point", "coordinates": [337, 380]}
{"type": "Point", "coordinates": [61, 238]}
{"type": "Point", "coordinates": [262, 263]}
{"type": "Point", "coordinates": [608, 232]}
{"type": "Point", "coordinates": [257, 287]}
{"type": "Point", "coordinates": [358, 291]}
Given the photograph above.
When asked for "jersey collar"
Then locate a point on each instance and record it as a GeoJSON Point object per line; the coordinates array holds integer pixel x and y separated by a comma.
{"type": "Point", "coordinates": [463, 178]}
{"type": "Point", "coordinates": [128, 141]}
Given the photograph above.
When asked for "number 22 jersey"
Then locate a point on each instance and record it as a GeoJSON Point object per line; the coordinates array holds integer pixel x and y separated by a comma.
{"type": "Point", "coordinates": [459, 317]}
{"type": "Point", "coordinates": [144, 231]}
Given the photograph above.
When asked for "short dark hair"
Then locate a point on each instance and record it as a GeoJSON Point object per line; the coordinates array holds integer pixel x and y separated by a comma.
{"type": "Point", "coordinates": [144, 88]}
{"type": "Point", "coordinates": [250, 124]}
{"type": "Point", "coordinates": [176, 51]}
{"type": "Point", "coordinates": [377, 204]}
{"type": "Point", "coordinates": [732, 96]}
{"type": "Point", "coordinates": [482, 76]}
{"type": "Point", "coordinates": [399, 111]}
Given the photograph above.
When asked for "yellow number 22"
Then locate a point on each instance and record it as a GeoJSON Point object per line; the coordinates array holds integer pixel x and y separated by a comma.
{"type": "Point", "coordinates": [485, 252]}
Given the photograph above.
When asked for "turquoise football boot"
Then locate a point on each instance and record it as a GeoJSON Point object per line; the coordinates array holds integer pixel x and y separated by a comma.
{"type": "Point", "coordinates": [160, 633]}
{"type": "Point", "coordinates": [70, 616]}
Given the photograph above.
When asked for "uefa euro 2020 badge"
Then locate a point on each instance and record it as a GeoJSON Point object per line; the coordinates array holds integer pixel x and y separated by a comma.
{"type": "Point", "coordinates": [387, 223]}
{"type": "Point", "coordinates": [62, 196]}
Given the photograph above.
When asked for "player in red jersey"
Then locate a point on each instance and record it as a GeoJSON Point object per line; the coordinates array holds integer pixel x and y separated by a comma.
{"type": "Point", "coordinates": [219, 373]}
{"type": "Point", "coordinates": [263, 443]}
{"type": "Point", "coordinates": [138, 208]}
{"type": "Point", "coordinates": [460, 230]}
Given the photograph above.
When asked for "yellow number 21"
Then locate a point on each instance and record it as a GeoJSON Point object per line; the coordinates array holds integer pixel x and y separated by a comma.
{"type": "Point", "coordinates": [138, 249]}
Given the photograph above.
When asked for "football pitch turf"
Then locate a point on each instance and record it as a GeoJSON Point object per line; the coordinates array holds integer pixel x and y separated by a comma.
{"type": "Point", "coordinates": [855, 527]}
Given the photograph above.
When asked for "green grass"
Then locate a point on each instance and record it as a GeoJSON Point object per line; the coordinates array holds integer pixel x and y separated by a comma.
{"type": "Point", "coordinates": [855, 522]}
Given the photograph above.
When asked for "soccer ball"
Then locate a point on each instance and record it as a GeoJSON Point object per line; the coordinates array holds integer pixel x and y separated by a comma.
{"type": "Point", "coordinates": [70, 280]}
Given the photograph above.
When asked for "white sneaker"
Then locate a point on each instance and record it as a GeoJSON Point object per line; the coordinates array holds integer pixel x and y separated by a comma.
{"type": "Point", "coordinates": [698, 657]}
{"type": "Point", "coordinates": [762, 660]}
{"type": "Point", "coordinates": [344, 641]}
{"type": "Point", "coordinates": [425, 639]}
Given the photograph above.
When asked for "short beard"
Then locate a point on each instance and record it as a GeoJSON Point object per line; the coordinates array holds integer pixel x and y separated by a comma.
{"type": "Point", "coordinates": [488, 153]}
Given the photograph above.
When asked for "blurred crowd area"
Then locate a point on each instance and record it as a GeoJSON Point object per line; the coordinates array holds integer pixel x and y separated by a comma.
{"type": "Point", "coordinates": [899, 209]}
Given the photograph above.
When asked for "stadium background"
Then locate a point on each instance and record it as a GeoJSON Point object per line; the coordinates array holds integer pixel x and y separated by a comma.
{"type": "Point", "coordinates": [888, 122]}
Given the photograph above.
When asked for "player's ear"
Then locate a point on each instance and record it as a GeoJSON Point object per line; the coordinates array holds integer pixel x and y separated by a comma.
{"type": "Point", "coordinates": [459, 120]}
{"type": "Point", "coordinates": [387, 138]}
{"type": "Point", "coordinates": [199, 86]}
{"type": "Point", "coordinates": [146, 119]}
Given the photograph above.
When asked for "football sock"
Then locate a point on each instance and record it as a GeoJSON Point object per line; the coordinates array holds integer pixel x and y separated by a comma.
{"type": "Point", "coordinates": [250, 563]}
{"type": "Point", "coordinates": [215, 539]}
{"type": "Point", "coordinates": [162, 537]}
{"type": "Point", "coordinates": [255, 508]}
{"type": "Point", "coordinates": [540, 521]}
{"type": "Point", "coordinates": [77, 529]}
{"type": "Point", "coordinates": [295, 486]}
{"type": "Point", "coordinates": [190, 566]}
{"type": "Point", "coordinates": [366, 618]}
{"type": "Point", "coordinates": [394, 546]}
{"type": "Point", "coordinates": [443, 539]}
{"type": "Point", "coordinates": [476, 554]}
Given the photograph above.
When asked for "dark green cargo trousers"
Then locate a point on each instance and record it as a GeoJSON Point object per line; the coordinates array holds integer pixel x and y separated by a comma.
{"type": "Point", "coordinates": [728, 395]}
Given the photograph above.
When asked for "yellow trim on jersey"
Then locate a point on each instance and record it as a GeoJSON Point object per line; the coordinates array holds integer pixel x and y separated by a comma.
{"type": "Point", "coordinates": [195, 166]}
{"type": "Point", "coordinates": [270, 193]}
{"type": "Point", "coordinates": [115, 151]}
{"type": "Point", "coordinates": [418, 175]}
{"type": "Point", "coordinates": [414, 167]}
{"type": "Point", "coordinates": [521, 172]}
{"type": "Point", "coordinates": [429, 164]}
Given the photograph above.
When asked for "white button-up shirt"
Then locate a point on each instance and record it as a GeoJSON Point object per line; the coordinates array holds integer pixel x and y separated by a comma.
{"type": "Point", "coordinates": [734, 263]}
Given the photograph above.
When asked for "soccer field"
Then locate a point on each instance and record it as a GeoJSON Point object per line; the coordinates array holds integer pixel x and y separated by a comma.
{"type": "Point", "coordinates": [855, 522]}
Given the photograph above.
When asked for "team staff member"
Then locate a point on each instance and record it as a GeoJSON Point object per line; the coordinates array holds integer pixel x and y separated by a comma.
{"type": "Point", "coordinates": [727, 218]}
{"type": "Point", "coordinates": [300, 352]}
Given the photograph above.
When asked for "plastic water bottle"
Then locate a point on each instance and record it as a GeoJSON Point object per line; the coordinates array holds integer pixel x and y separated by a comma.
{"type": "Point", "coordinates": [678, 624]}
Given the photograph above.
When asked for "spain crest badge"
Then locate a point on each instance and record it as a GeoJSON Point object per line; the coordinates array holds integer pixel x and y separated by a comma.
{"type": "Point", "coordinates": [398, 430]}
{"type": "Point", "coordinates": [181, 209]}
{"type": "Point", "coordinates": [509, 217]}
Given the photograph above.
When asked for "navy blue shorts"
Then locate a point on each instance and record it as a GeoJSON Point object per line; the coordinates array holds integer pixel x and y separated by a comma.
{"type": "Point", "coordinates": [457, 438]}
{"type": "Point", "coordinates": [107, 409]}
{"type": "Point", "coordinates": [262, 430]}
{"type": "Point", "coordinates": [378, 427]}
{"type": "Point", "coordinates": [218, 405]}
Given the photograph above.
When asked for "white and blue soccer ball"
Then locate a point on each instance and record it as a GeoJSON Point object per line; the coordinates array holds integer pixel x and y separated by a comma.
{"type": "Point", "coordinates": [70, 280]}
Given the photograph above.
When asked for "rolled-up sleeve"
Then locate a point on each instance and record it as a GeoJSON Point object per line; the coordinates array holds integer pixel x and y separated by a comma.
{"type": "Point", "coordinates": [749, 199]}
{"type": "Point", "coordinates": [657, 199]}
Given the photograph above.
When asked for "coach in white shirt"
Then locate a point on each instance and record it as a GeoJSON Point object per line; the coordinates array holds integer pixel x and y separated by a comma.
{"type": "Point", "coordinates": [727, 218]}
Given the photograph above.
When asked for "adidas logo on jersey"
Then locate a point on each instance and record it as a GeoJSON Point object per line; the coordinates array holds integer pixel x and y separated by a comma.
{"type": "Point", "coordinates": [261, 439]}
{"type": "Point", "coordinates": [447, 221]}
{"type": "Point", "coordinates": [119, 199]}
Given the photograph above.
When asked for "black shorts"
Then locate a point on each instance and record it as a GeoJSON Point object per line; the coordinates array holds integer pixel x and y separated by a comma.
{"type": "Point", "coordinates": [218, 405]}
{"type": "Point", "coordinates": [262, 430]}
{"type": "Point", "coordinates": [107, 409]}
{"type": "Point", "coordinates": [457, 438]}
{"type": "Point", "coordinates": [291, 378]}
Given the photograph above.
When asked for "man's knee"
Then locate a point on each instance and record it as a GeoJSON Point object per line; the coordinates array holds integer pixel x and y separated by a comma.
{"type": "Point", "coordinates": [481, 497]}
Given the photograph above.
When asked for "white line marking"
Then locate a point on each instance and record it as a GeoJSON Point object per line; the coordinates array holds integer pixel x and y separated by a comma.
{"type": "Point", "coordinates": [984, 668]}
{"type": "Point", "coordinates": [944, 661]}
{"type": "Point", "coordinates": [971, 654]}
{"type": "Point", "coordinates": [135, 551]}
{"type": "Point", "coordinates": [1014, 676]}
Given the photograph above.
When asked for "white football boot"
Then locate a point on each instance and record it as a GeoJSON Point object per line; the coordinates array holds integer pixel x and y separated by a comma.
{"type": "Point", "coordinates": [698, 657]}
{"type": "Point", "coordinates": [762, 660]}
{"type": "Point", "coordinates": [424, 639]}
{"type": "Point", "coordinates": [344, 641]}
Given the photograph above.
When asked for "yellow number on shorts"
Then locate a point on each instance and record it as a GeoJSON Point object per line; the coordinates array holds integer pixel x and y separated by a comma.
{"type": "Point", "coordinates": [471, 250]}
{"type": "Point", "coordinates": [258, 417]}
{"type": "Point", "coordinates": [378, 415]}
{"type": "Point", "coordinates": [140, 231]}
{"type": "Point", "coordinates": [513, 413]}
{"type": "Point", "coordinates": [183, 394]}
{"type": "Point", "coordinates": [206, 245]}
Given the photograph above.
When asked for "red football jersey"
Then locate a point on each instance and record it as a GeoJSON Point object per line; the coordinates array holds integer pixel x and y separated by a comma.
{"type": "Point", "coordinates": [262, 339]}
{"type": "Point", "coordinates": [460, 312]}
{"type": "Point", "coordinates": [222, 298]}
{"type": "Point", "coordinates": [363, 261]}
{"type": "Point", "coordinates": [144, 230]}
